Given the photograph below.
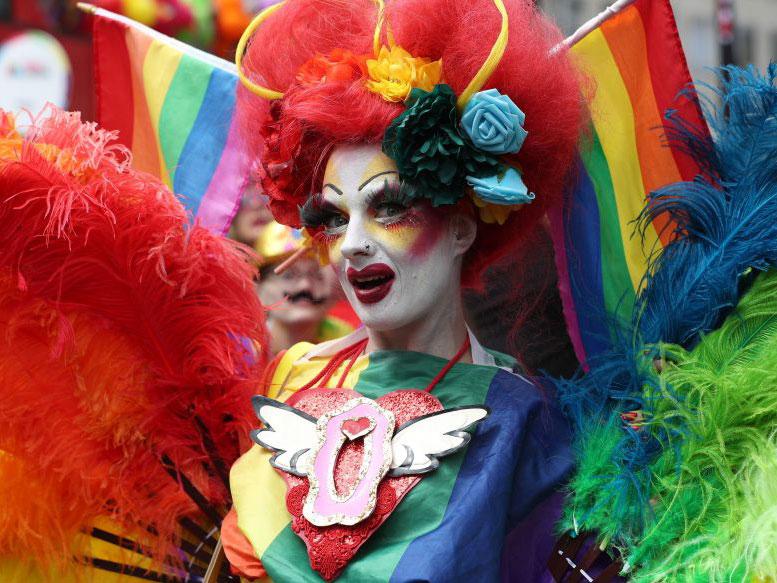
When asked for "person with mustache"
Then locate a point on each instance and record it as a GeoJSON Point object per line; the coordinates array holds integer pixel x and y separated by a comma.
{"type": "Point", "coordinates": [299, 298]}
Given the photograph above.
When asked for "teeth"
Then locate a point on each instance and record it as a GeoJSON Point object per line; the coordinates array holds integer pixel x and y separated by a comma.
{"type": "Point", "coordinates": [375, 278]}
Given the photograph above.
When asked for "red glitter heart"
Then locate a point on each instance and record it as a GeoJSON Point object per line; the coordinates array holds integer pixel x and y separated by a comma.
{"type": "Point", "coordinates": [330, 548]}
{"type": "Point", "coordinates": [356, 428]}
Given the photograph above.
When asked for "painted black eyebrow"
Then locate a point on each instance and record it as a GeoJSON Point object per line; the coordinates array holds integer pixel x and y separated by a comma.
{"type": "Point", "coordinates": [333, 187]}
{"type": "Point", "coordinates": [366, 182]}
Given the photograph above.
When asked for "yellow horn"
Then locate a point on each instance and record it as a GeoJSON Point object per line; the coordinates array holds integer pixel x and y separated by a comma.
{"type": "Point", "coordinates": [491, 63]}
{"type": "Point", "coordinates": [378, 27]}
{"type": "Point", "coordinates": [264, 92]}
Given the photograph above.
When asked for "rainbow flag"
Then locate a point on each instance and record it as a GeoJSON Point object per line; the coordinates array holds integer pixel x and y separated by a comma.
{"type": "Point", "coordinates": [174, 107]}
{"type": "Point", "coordinates": [637, 66]}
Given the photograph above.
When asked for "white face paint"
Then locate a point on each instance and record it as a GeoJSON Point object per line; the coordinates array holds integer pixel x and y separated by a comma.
{"type": "Point", "coordinates": [398, 260]}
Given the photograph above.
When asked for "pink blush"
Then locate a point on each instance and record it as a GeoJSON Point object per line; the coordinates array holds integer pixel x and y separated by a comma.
{"type": "Point", "coordinates": [431, 224]}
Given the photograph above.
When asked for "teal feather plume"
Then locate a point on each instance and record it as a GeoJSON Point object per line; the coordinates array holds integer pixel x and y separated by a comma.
{"type": "Point", "coordinates": [725, 218]}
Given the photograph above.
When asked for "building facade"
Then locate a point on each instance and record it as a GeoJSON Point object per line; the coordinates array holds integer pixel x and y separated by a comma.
{"type": "Point", "coordinates": [755, 29]}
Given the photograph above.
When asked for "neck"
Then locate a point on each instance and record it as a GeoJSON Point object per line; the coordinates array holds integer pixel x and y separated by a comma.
{"type": "Point", "coordinates": [283, 336]}
{"type": "Point", "coordinates": [440, 333]}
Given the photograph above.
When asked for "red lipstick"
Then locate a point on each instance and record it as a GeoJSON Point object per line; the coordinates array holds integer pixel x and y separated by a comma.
{"type": "Point", "coordinates": [371, 284]}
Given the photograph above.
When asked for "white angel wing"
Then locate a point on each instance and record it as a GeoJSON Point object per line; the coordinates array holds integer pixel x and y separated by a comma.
{"type": "Point", "coordinates": [288, 432]}
{"type": "Point", "coordinates": [418, 443]}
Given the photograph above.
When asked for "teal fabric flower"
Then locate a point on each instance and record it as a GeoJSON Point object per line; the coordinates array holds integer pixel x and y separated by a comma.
{"type": "Point", "coordinates": [494, 123]}
{"type": "Point", "coordinates": [430, 152]}
{"type": "Point", "coordinates": [504, 189]}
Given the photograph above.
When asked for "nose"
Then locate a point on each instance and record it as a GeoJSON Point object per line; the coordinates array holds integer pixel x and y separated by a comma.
{"type": "Point", "coordinates": [357, 242]}
{"type": "Point", "coordinates": [302, 282]}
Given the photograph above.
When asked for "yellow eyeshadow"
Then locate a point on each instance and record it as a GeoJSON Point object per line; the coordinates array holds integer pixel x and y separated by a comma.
{"type": "Point", "coordinates": [378, 163]}
{"type": "Point", "coordinates": [401, 237]}
{"type": "Point", "coordinates": [332, 176]}
{"type": "Point", "coordinates": [335, 253]}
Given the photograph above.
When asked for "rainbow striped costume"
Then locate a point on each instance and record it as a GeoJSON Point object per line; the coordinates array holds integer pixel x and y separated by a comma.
{"type": "Point", "coordinates": [453, 524]}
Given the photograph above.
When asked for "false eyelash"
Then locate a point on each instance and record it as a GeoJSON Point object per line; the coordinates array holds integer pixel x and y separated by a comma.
{"type": "Point", "coordinates": [316, 212]}
{"type": "Point", "coordinates": [410, 219]}
{"type": "Point", "coordinates": [324, 239]}
{"type": "Point", "coordinates": [396, 192]}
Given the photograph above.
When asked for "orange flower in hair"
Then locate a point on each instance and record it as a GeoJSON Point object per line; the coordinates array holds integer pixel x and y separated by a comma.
{"type": "Point", "coordinates": [339, 65]}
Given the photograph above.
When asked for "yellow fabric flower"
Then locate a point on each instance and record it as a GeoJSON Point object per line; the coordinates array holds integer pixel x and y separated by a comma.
{"type": "Point", "coordinates": [396, 72]}
{"type": "Point", "coordinates": [493, 213]}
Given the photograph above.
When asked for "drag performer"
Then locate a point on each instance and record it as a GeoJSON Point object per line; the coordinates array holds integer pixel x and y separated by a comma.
{"type": "Point", "coordinates": [675, 425]}
{"type": "Point", "coordinates": [415, 145]}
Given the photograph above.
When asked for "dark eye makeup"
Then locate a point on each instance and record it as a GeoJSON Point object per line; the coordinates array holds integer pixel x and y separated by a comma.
{"type": "Point", "coordinates": [387, 204]}
{"type": "Point", "coordinates": [392, 199]}
{"type": "Point", "coordinates": [317, 212]}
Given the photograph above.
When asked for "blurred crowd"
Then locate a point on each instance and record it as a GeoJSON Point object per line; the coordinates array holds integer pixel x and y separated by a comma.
{"type": "Point", "coordinates": [213, 25]}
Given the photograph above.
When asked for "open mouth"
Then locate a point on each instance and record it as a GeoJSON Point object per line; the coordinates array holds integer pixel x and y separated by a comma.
{"type": "Point", "coordinates": [372, 283]}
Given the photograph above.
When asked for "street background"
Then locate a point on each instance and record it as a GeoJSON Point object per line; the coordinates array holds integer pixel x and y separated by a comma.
{"type": "Point", "coordinates": [45, 45]}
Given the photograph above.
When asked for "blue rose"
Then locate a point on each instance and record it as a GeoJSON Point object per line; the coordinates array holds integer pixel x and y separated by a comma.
{"type": "Point", "coordinates": [506, 189]}
{"type": "Point", "coordinates": [494, 123]}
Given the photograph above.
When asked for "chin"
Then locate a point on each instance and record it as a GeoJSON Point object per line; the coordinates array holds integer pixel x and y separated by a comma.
{"type": "Point", "coordinates": [380, 317]}
{"type": "Point", "coordinates": [301, 316]}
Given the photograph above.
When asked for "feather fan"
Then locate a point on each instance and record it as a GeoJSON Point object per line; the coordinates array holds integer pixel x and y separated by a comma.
{"type": "Point", "coordinates": [125, 355]}
{"type": "Point", "coordinates": [663, 455]}
{"type": "Point", "coordinates": [708, 515]}
{"type": "Point", "coordinates": [727, 413]}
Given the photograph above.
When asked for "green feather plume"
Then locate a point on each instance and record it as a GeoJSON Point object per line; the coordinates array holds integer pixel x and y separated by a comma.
{"type": "Point", "coordinates": [713, 489]}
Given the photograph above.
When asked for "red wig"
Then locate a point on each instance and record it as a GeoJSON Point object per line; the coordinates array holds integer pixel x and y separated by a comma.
{"type": "Point", "coordinates": [292, 137]}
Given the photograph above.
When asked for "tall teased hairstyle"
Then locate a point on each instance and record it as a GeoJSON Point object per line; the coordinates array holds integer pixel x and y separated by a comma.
{"type": "Point", "coordinates": [311, 119]}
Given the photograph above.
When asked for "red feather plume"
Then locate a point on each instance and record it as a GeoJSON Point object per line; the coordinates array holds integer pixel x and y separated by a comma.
{"type": "Point", "coordinates": [127, 340]}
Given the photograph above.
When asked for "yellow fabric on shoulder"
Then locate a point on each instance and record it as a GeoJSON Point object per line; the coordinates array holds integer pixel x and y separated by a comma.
{"type": "Point", "coordinates": [283, 370]}
{"type": "Point", "coordinates": [258, 491]}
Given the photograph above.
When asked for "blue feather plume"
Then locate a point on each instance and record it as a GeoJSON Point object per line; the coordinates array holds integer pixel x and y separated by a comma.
{"type": "Point", "coordinates": [725, 218]}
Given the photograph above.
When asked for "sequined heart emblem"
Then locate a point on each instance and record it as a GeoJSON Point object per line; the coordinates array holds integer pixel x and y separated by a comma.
{"type": "Point", "coordinates": [355, 428]}
{"type": "Point", "coordinates": [348, 461]}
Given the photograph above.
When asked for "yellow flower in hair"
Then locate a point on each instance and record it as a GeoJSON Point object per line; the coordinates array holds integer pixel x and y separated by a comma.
{"type": "Point", "coordinates": [395, 72]}
{"type": "Point", "coordinates": [493, 213]}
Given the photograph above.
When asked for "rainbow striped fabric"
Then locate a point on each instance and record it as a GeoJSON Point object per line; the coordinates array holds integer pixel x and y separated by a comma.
{"type": "Point", "coordinates": [174, 107]}
{"type": "Point", "coordinates": [637, 66]}
{"type": "Point", "coordinates": [452, 525]}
